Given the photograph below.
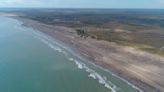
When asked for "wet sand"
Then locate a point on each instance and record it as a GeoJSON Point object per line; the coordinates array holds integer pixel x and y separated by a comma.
{"type": "Point", "coordinates": [8, 14]}
{"type": "Point", "coordinates": [140, 68]}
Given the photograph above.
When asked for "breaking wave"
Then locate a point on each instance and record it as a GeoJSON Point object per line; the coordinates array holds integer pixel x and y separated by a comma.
{"type": "Point", "coordinates": [92, 74]}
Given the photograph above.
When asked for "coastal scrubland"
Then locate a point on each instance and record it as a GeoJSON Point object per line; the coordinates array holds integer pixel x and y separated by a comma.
{"type": "Point", "coordinates": [141, 29]}
{"type": "Point", "coordinates": [130, 43]}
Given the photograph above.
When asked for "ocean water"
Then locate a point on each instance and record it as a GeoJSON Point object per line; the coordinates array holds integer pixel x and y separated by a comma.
{"type": "Point", "coordinates": [31, 61]}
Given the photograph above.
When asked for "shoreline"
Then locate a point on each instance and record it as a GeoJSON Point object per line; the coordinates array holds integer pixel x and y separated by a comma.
{"type": "Point", "coordinates": [71, 39]}
{"type": "Point", "coordinates": [8, 14]}
{"type": "Point", "coordinates": [80, 64]}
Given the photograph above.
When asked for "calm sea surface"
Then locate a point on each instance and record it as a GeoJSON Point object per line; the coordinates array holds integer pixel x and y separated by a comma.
{"type": "Point", "coordinates": [33, 62]}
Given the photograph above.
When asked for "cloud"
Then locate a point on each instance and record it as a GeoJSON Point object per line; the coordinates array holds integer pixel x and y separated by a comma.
{"type": "Point", "coordinates": [161, 1]}
{"type": "Point", "coordinates": [84, 3]}
{"type": "Point", "coordinates": [13, 2]}
{"type": "Point", "coordinates": [22, 3]}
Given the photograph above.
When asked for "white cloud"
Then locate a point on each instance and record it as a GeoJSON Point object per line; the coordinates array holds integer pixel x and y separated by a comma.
{"type": "Point", "coordinates": [84, 3]}
{"type": "Point", "coordinates": [23, 3]}
{"type": "Point", "coordinates": [11, 2]}
{"type": "Point", "coordinates": [161, 1]}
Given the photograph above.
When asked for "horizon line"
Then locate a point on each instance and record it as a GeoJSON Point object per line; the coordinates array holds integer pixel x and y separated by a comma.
{"type": "Point", "coordinates": [73, 8]}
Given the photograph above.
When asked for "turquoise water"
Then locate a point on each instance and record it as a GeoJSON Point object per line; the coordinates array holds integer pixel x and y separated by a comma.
{"type": "Point", "coordinates": [33, 62]}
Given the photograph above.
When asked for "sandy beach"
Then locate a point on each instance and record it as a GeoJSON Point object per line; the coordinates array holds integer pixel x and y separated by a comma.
{"type": "Point", "coordinates": [7, 14]}
{"type": "Point", "coordinates": [140, 68]}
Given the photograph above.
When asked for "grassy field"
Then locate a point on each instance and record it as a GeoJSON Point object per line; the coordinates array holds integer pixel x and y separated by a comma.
{"type": "Point", "coordinates": [141, 29]}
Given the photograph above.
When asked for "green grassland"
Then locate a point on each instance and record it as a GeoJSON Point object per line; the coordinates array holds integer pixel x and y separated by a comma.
{"type": "Point", "coordinates": [141, 29]}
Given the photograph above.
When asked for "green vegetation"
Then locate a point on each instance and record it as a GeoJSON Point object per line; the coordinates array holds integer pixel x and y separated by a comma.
{"type": "Point", "coordinates": [135, 40]}
{"type": "Point", "coordinates": [146, 48]}
{"type": "Point", "coordinates": [82, 33]}
{"type": "Point", "coordinates": [141, 29]}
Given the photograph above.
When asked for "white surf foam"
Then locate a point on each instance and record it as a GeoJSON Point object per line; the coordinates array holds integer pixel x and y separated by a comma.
{"type": "Point", "coordinates": [92, 74]}
{"type": "Point", "coordinates": [80, 65]}
{"type": "Point", "coordinates": [133, 86]}
{"type": "Point", "coordinates": [48, 42]}
{"type": "Point", "coordinates": [130, 84]}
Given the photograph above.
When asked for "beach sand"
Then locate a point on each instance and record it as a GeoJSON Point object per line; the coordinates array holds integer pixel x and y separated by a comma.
{"type": "Point", "coordinates": [140, 68]}
{"type": "Point", "coordinates": [8, 14]}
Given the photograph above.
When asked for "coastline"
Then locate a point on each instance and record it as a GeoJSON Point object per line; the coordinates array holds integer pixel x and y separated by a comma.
{"type": "Point", "coordinates": [8, 14]}
{"type": "Point", "coordinates": [91, 50]}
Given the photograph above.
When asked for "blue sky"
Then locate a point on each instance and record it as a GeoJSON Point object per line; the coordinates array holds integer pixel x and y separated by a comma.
{"type": "Point", "coordinates": [84, 3]}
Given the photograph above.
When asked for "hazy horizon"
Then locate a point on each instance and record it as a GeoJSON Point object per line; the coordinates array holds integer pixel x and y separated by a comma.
{"type": "Point", "coordinates": [109, 4]}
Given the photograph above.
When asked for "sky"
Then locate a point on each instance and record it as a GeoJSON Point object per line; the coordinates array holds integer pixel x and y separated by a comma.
{"type": "Point", "coordinates": [82, 4]}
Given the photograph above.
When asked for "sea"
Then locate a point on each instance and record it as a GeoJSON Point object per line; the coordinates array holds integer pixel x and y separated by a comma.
{"type": "Point", "coordinates": [31, 61]}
